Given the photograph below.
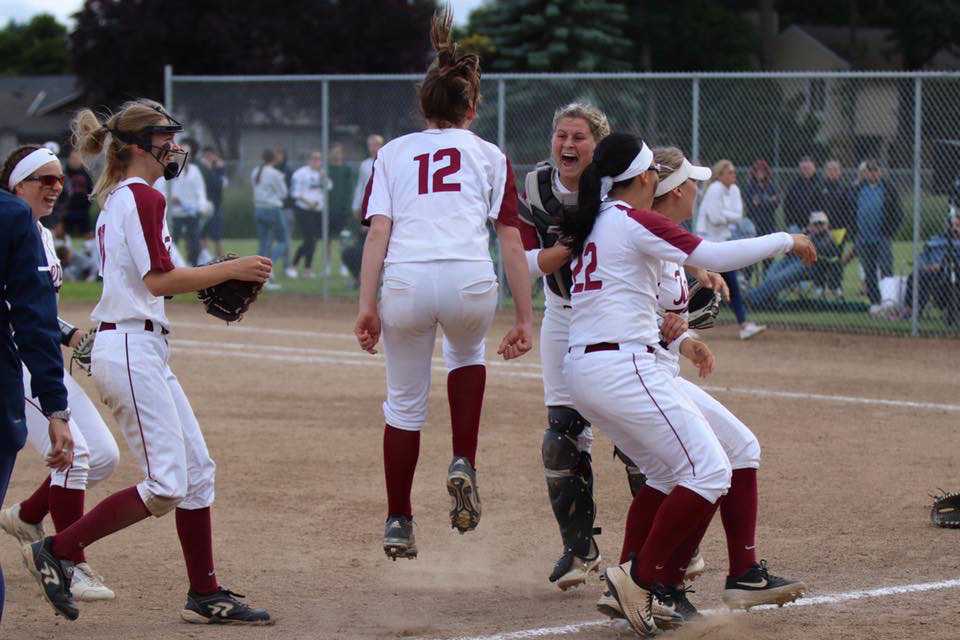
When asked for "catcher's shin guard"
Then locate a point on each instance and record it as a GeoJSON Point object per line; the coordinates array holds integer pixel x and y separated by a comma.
{"type": "Point", "coordinates": [634, 476]}
{"type": "Point", "coordinates": [569, 479]}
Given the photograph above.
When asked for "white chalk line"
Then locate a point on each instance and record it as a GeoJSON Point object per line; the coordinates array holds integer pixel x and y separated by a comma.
{"type": "Point", "coordinates": [308, 355]}
{"type": "Point", "coordinates": [826, 599]}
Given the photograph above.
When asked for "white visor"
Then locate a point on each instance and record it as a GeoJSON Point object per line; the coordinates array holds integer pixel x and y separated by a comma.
{"type": "Point", "coordinates": [30, 164]}
{"type": "Point", "coordinates": [681, 175]}
{"type": "Point", "coordinates": [640, 164]}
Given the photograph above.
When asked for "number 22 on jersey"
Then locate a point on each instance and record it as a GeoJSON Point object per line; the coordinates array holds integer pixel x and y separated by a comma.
{"type": "Point", "coordinates": [440, 174]}
{"type": "Point", "coordinates": [588, 284]}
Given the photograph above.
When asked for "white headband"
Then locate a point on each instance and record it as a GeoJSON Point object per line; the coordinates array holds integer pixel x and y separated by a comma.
{"type": "Point", "coordinates": [681, 175]}
{"type": "Point", "coordinates": [640, 164]}
{"type": "Point", "coordinates": [30, 164]}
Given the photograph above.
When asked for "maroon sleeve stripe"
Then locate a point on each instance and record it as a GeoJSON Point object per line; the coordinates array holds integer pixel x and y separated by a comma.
{"type": "Point", "coordinates": [508, 207]}
{"type": "Point", "coordinates": [364, 220]}
{"type": "Point", "coordinates": [664, 228]}
{"type": "Point", "coordinates": [151, 206]}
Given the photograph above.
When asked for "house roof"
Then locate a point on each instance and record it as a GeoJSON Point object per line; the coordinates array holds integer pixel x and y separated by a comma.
{"type": "Point", "coordinates": [873, 49]}
{"type": "Point", "coordinates": [31, 103]}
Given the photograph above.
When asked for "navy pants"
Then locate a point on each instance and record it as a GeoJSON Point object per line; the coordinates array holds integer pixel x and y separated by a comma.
{"type": "Point", "coordinates": [12, 438]}
{"type": "Point", "coordinates": [736, 299]}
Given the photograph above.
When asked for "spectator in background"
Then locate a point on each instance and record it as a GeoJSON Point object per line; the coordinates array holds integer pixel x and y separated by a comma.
{"type": "Point", "coordinates": [342, 222]}
{"type": "Point", "coordinates": [308, 188]}
{"type": "Point", "coordinates": [803, 196]}
{"type": "Point", "coordinates": [762, 198]}
{"type": "Point", "coordinates": [269, 194]}
{"type": "Point", "coordinates": [938, 267]}
{"type": "Point", "coordinates": [79, 186]}
{"type": "Point", "coordinates": [878, 217]}
{"type": "Point", "coordinates": [215, 180]}
{"type": "Point", "coordinates": [836, 198]}
{"type": "Point", "coordinates": [281, 165]}
{"type": "Point", "coordinates": [720, 208]}
{"type": "Point", "coordinates": [826, 273]}
{"type": "Point", "coordinates": [374, 142]}
{"type": "Point", "coordinates": [188, 202]}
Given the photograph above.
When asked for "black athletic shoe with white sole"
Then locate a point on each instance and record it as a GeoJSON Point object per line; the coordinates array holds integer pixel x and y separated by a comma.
{"type": "Point", "coordinates": [462, 487]}
{"type": "Point", "coordinates": [398, 538]}
{"type": "Point", "coordinates": [222, 607]}
{"type": "Point", "coordinates": [53, 575]}
{"type": "Point", "coordinates": [757, 587]}
{"type": "Point", "coordinates": [676, 600]}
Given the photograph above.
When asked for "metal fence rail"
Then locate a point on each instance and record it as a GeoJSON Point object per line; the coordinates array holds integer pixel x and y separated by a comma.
{"type": "Point", "coordinates": [907, 122]}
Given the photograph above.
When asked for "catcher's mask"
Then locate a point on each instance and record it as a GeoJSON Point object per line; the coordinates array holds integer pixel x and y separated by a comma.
{"type": "Point", "coordinates": [172, 159]}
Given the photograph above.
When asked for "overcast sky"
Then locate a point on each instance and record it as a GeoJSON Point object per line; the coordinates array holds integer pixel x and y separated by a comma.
{"type": "Point", "coordinates": [21, 10]}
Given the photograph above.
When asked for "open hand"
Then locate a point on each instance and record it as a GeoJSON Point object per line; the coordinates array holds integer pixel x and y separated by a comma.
{"type": "Point", "coordinates": [700, 355]}
{"type": "Point", "coordinates": [251, 268]}
{"type": "Point", "coordinates": [803, 248]}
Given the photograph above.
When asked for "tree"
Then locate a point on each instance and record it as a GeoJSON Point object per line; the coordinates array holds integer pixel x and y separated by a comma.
{"type": "Point", "coordinates": [555, 35]}
{"type": "Point", "coordinates": [38, 47]}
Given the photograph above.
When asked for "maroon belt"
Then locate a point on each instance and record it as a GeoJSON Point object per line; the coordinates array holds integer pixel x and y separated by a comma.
{"type": "Point", "coordinates": [609, 346]}
{"type": "Point", "coordinates": [147, 326]}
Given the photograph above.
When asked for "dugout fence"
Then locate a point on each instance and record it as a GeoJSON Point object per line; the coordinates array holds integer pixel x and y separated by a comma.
{"type": "Point", "coordinates": [902, 280]}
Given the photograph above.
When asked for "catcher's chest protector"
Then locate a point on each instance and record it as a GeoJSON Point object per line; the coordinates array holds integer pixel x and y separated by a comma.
{"type": "Point", "coordinates": [545, 204]}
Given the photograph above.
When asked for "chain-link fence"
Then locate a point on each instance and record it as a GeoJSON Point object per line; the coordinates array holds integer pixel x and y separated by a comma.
{"type": "Point", "coordinates": [877, 153]}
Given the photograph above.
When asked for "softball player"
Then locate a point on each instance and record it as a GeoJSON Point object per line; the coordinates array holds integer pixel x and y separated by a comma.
{"type": "Point", "coordinates": [611, 368]}
{"type": "Point", "coordinates": [34, 174]}
{"type": "Point", "coordinates": [568, 438]}
{"type": "Point", "coordinates": [431, 196]}
{"type": "Point", "coordinates": [130, 363]}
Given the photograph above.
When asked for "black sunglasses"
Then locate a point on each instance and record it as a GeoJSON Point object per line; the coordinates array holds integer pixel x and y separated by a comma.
{"type": "Point", "coordinates": [46, 181]}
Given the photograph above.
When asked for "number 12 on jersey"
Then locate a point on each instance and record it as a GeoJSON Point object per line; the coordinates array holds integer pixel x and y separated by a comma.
{"type": "Point", "coordinates": [440, 174]}
{"type": "Point", "coordinates": [588, 284]}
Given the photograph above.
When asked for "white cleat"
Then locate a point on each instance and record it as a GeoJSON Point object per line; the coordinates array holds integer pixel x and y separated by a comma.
{"type": "Point", "coordinates": [751, 329]}
{"type": "Point", "coordinates": [24, 532]}
{"type": "Point", "coordinates": [695, 567]}
{"type": "Point", "coordinates": [87, 585]}
{"type": "Point", "coordinates": [572, 571]}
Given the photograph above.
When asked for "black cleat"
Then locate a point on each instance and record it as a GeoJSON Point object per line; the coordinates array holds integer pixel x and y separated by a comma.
{"type": "Point", "coordinates": [398, 538]}
{"type": "Point", "coordinates": [222, 607]}
{"type": "Point", "coordinates": [672, 608]}
{"type": "Point", "coordinates": [53, 575]}
{"type": "Point", "coordinates": [757, 587]}
{"type": "Point", "coordinates": [462, 487]}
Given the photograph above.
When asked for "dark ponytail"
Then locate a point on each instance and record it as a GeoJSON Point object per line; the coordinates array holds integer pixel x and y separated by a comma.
{"type": "Point", "coordinates": [611, 157]}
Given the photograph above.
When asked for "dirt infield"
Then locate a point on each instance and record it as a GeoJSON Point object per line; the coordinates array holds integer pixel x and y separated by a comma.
{"type": "Point", "coordinates": [291, 412]}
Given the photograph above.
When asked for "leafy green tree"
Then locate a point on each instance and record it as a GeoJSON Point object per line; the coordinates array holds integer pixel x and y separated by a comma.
{"type": "Point", "coordinates": [38, 47]}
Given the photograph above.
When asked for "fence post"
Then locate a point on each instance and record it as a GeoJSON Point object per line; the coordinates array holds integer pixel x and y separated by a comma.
{"type": "Point", "coordinates": [168, 87]}
{"type": "Point", "coordinates": [325, 215]}
{"type": "Point", "coordinates": [917, 160]}
{"type": "Point", "coordinates": [501, 142]}
{"type": "Point", "coordinates": [695, 120]}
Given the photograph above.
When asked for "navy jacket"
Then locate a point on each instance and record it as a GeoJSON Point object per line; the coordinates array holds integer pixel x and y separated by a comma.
{"type": "Point", "coordinates": [28, 309]}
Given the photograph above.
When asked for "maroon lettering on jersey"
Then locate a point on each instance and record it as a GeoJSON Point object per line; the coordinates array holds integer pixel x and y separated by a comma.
{"type": "Point", "coordinates": [664, 228]}
{"type": "Point", "coordinates": [364, 220]}
{"type": "Point", "coordinates": [508, 207]}
{"type": "Point", "coordinates": [151, 206]}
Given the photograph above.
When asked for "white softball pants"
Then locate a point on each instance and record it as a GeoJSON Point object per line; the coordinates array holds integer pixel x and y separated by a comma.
{"type": "Point", "coordinates": [649, 417]}
{"type": "Point", "coordinates": [415, 297]}
{"type": "Point", "coordinates": [133, 375]}
{"type": "Point", "coordinates": [554, 341]}
{"type": "Point", "coordinates": [95, 453]}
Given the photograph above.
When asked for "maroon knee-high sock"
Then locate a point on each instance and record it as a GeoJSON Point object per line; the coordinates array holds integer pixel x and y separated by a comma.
{"type": "Point", "coordinates": [640, 517]}
{"type": "Point", "coordinates": [400, 452]}
{"type": "Point", "coordinates": [115, 512]}
{"type": "Point", "coordinates": [680, 514]}
{"type": "Point", "coordinates": [465, 394]}
{"type": "Point", "coordinates": [739, 514]}
{"type": "Point", "coordinates": [677, 565]}
{"type": "Point", "coordinates": [66, 507]}
{"type": "Point", "coordinates": [35, 508]}
{"type": "Point", "coordinates": [195, 531]}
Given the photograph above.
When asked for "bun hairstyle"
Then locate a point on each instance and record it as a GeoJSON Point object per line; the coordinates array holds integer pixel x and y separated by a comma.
{"type": "Point", "coordinates": [15, 157]}
{"type": "Point", "coordinates": [451, 88]}
{"type": "Point", "coordinates": [611, 157]}
{"type": "Point", "coordinates": [91, 137]}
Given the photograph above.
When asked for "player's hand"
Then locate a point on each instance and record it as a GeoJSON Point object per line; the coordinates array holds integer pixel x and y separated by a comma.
{"type": "Point", "coordinates": [61, 445]}
{"type": "Point", "coordinates": [367, 329]}
{"type": "Point", "coordinates": [803, 248]}
{"type": "Point", "coordinates": [517, 342]}
{"type": "Point", "coordinates": [672, 327]}
{"type": "Point", "coordinates": [716, 282]}
{"type": "Point", "coordinates": [700, 355]}
{"type": "Point", "coordinates": [250, 268]}
{"type": "Point", "coordinates": [77, 338]}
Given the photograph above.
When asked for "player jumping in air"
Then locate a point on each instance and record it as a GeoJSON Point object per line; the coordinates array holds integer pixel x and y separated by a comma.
{"type": "Point", "coordinates": [427, 204]}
